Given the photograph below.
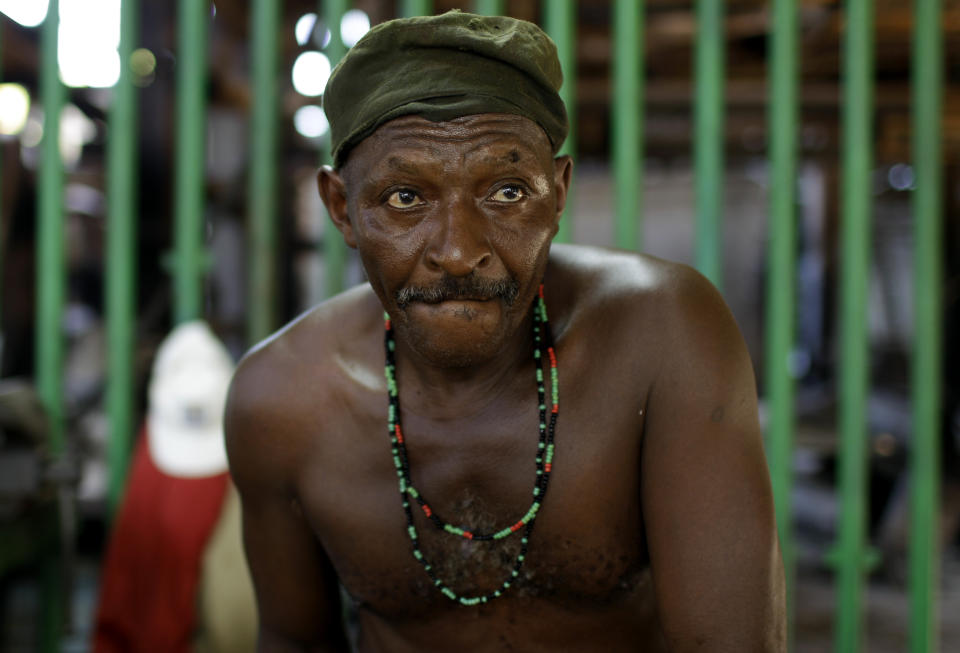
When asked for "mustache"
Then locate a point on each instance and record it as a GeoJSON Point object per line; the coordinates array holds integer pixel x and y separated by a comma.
{"type": "Point", "coordinates": [449, 287]}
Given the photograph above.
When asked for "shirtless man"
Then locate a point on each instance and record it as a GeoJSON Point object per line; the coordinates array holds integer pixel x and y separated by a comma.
{"type": "Point", "coordinates": [418, 490]}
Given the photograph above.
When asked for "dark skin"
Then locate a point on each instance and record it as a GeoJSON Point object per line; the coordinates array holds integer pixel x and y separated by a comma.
{"type": "Point", "coordinates": [657, 533]}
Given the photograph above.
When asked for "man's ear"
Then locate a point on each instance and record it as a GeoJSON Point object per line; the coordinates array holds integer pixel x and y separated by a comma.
{"type": "Point", "coordinates": [562, 173]}
{"type": "Point", "coordinates": [333, 192]}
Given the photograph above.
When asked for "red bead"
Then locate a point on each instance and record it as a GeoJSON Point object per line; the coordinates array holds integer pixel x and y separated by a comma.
{"type": "Point", "coordinates": [540, 291]}
{"type": "Point", "coordinates": [396, 429]}
{"type": "Point", "coordinates": [468, 535]}
{"type": "Point", "coordinates": [553, 357]}
{"type": "Point", "coordinates": [516, 527]}
{"type": "Point", "coordinates": [555, 409]}
{"type": "Point", "coordinates": [387, 325]}
{"type": "Point", "coordinates": [426, 510]}
{"type": "Point", "coordinates": [548, 467]}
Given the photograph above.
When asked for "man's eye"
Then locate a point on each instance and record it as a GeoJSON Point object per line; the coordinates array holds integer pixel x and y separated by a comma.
{"type": "Point", "coordinates": [404, 198]}
{"type": "Point", "coordinates": [509, 193]}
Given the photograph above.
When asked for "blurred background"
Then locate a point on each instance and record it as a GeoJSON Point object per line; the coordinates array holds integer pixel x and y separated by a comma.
{"type": "Point", "coordinates": [157, 167]}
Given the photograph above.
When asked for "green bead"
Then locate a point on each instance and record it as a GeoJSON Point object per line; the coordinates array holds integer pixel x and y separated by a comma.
{"type": "Point", "coordinates": [412, 532]}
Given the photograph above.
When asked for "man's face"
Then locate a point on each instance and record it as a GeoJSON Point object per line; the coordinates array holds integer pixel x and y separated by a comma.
{"type": "Point", "coordinates": [453, 222]}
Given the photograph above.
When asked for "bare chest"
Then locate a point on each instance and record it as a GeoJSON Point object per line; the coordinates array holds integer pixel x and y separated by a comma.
{"type": "Point", "coordinates": [585, 550]}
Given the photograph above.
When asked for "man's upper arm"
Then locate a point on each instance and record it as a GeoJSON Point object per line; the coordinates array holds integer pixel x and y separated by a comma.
{"type": "Point", "coordinates": [706, 493]}
{"type": "Point", "coordinates": [296, 589]}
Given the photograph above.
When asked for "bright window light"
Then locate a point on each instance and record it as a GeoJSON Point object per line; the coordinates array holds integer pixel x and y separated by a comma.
{"type": "Point", "coordinates": [311, 71]}
{"type": "Point", "coordinates": [311, 121]}
{"type": "Point", "coordinates": [89, 36]}
{"type": "Point", "coordinates": [14, 108]}
{"type": "Point", "coordinates": [28, 13]}
{"type": "Point", "coordinates": [304, 28]}
{"type": "Point", "coordinates": [354, 24]}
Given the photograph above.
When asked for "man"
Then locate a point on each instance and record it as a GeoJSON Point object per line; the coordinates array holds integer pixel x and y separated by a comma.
{"type": "Point", "coordinates": [409, 459]}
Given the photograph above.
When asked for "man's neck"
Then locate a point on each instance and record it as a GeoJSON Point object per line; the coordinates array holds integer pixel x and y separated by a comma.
{"type": "Point", "coordinates": [448, 392]}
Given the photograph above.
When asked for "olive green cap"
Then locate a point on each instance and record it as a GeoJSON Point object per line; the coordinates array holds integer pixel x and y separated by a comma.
{"type": "Point", "coordinates": [444, 67]}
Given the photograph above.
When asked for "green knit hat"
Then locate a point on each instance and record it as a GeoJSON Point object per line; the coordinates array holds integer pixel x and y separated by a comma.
{"type": "Point", "coordinates": [444, 67]}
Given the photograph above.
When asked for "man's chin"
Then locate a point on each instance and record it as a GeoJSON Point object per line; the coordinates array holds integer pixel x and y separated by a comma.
{"type": "Point", "coordinates": [455, 333]}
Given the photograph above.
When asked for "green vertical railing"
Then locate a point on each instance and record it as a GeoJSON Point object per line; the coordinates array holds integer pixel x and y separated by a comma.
{"type": "Point", "coordinates": [627, 138]}
{"type": "Point", "coordinates": [490, 7]}
{"type": "Point", "coordinates": [709, 135]}
{"type": "Point", "coordinates": [262, 200]}
{"type": "Point", "coordinates": [334, 249]}
{"type": "Point", "coordinates": [928, 317]}
{"type": "Point", "coordinates": [51, 286]}
{"type": "Point", "coordinates": [782, 261]}
{"type": "Point", "coordinates": [854, 270]}
{"type": "Point", "coordinates": [121, 277]}
{"type": "Point", "coordinates": [51, 263]}
{"type": "Point", "coordinates": [410, 8]}
{"type": "Point", "coordinates": [560, 22]}
{"type": "Point", "coordinates": [190, 260]}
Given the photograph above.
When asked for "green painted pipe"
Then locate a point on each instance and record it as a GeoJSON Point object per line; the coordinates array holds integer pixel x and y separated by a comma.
{"type": "Point", "coordinates": [189, 258]}
{"type": "Point", "coordinates": [490, 7]}
{"type": "Point", "coordinates": [334, 249]}
{"type": "Point", "coordinates": [924, 551]}
{"type": "Point", "coordinates": [709, 135]}
{"type": "Point", "coordinates": [121, 277]}
{"type": "Point", "coordinates": [560, 22]}
{"type": "Point", "coordinates": [782, 123]}
{"type": "Point", "coordinates": [51, 279]}
{"type": "Point", "coordinates": [51, 262]}
{"type": "Point", "coordinates": [410, 8]}
{"type": "Point", "coordinates": [627, 136]}
{"type": "Point", "coordinates": [854, 269]}
{"type": "Point", "coordinates": [262, 199]}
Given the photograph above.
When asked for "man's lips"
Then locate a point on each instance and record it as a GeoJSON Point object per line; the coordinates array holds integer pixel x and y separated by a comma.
{"type": "Point", "coordinates": [447, 300]}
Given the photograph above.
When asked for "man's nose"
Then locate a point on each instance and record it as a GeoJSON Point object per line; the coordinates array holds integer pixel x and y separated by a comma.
{"type": "Point", "coordinates": [459, 244]}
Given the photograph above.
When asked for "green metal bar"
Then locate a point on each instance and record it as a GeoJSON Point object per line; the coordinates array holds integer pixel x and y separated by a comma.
{"type": "Point", "coordinates": [51, 263]}
{"type": "Point", "coordinates": [627, 137]}
{"type": "Point", "coordinates": [410, 8]}
{"type": "Point", "coordinates": [560, 22]}
{"type": "Point", "coordinates": [709, 141]}
{"type": "Point", "coordinates": [781, 280]}
{"type": "Point", "coordinates": [855, 266]}
{"type": "Point", "coordinates": [334, 249]}
{"type": "Point", "coordinates": [121, 256]}
{"type": "Point", "coordinates": [189, 263]}
{"type": "Point", "coordinates": [262, 205]}
{"type": "Point", "coordinates": [490, 7]}
{"type": "Point", "coordinates": [51, 279]}
{"type": "Point", "coordinates": [928, 316]}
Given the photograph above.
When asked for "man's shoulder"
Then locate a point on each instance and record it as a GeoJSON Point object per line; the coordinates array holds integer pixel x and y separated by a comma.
{"type": "Point", "coordinates": [314, 336]}
{"type": "Point", "coordinates": [284, 377]}
{"type": "Point", "coordinates": [597, 278]}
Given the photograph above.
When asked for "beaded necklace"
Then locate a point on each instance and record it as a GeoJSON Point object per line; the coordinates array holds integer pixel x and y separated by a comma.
{"type": "Point", "coordinates": [542, 345]}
